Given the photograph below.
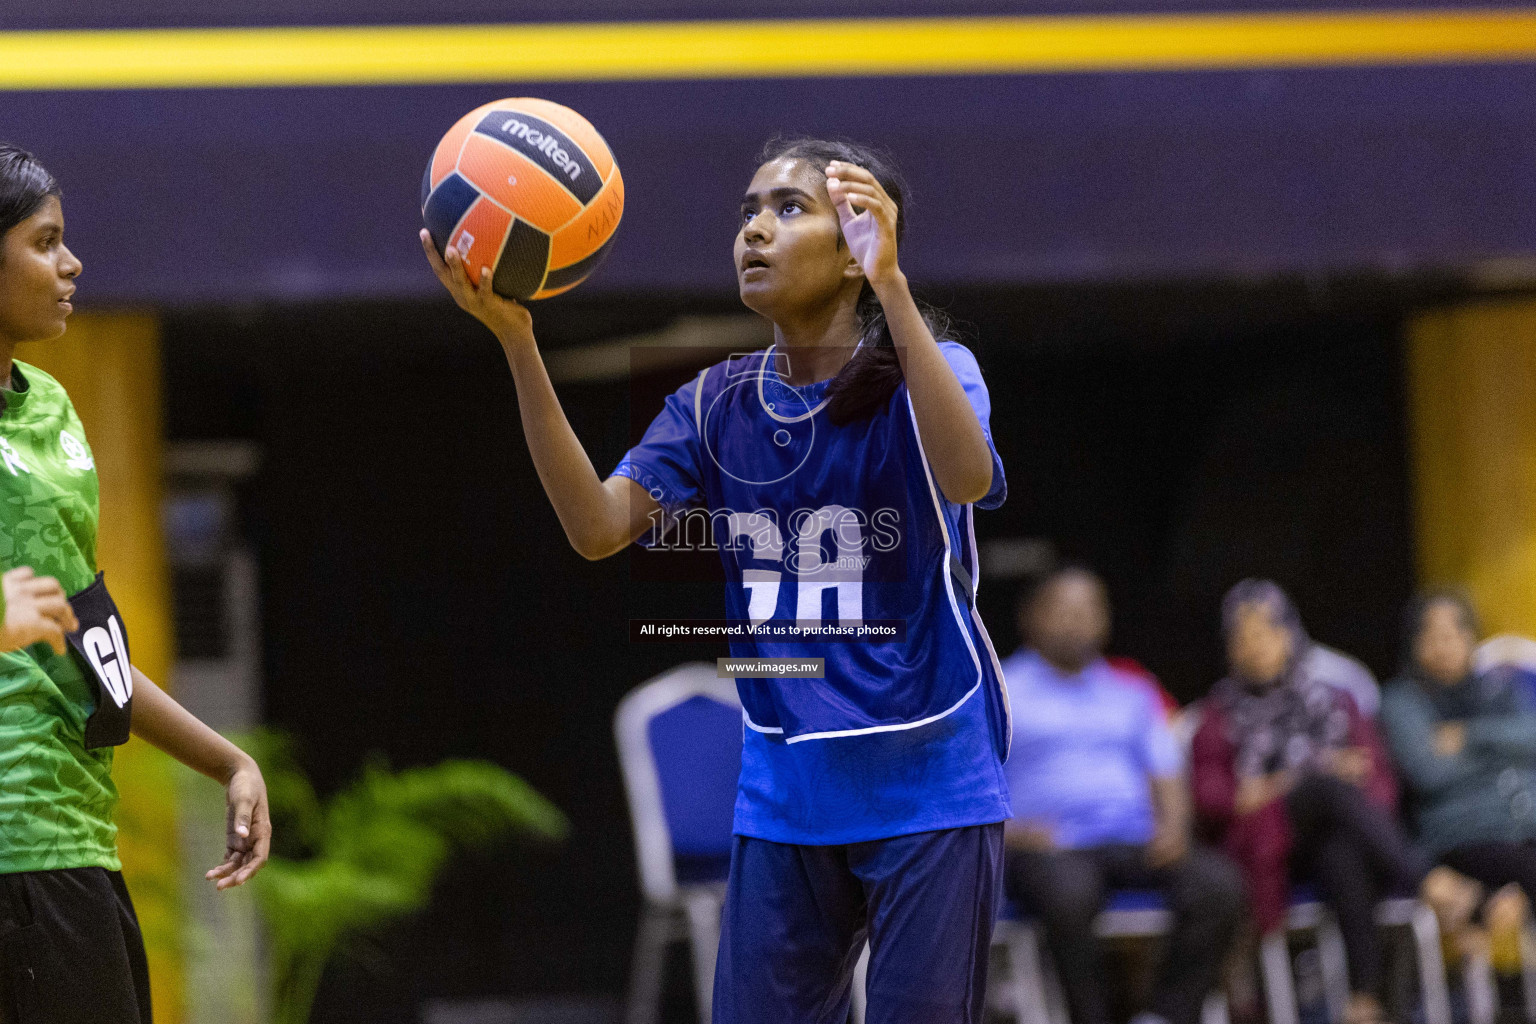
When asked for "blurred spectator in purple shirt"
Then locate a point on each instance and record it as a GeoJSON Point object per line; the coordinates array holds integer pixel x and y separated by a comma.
{"type": "Point", "coordinates": [1100, 802]}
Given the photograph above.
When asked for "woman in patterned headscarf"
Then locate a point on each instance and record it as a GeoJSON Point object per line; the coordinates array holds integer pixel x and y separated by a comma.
{"type": "Point", "coordinates": [1296, 783]}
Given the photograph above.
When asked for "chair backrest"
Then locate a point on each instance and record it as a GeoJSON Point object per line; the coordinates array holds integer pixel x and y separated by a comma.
{"type": "Point", "coordinates": [1506, 649]}
{"type": "Point", "coordinates": [1513, 657]}
{"type": "Point", "coordinates": [679, 736]}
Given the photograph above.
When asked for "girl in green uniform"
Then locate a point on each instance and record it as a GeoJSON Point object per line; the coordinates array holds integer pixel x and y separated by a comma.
{"type": "Point", "coordinates": [70, 949]}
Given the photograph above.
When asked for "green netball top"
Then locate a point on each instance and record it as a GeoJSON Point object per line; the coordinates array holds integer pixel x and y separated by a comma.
{"type": "Point", "coordinates": [56, 796]}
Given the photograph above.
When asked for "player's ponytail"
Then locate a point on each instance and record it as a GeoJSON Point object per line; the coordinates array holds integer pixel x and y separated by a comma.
{"type": "Point", "coordinates": [866, 383]}
{"type": "Point", "coordinates": [24, 186]}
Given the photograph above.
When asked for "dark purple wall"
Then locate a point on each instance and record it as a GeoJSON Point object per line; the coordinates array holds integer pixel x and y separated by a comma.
{"type": "Point", "coordinates": [74, 14]}
{"type": "Point", "coordinates": [185, 197]}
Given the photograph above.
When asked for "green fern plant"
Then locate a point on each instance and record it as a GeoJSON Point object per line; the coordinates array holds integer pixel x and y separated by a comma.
{"type": "Point", "coordinates": [376, 848]}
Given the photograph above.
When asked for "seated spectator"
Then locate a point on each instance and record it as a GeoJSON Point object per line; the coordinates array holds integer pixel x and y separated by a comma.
{"type": "Point", "coordinates": [1100, 802]}
{"type": "Point", "coordinates": [1466, 749]}
{"type": "Point", "coordinates": [1295, 780]}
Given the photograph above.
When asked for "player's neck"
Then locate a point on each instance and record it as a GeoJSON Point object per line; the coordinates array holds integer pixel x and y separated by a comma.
{"type": "Point", "coordinates": [7, 362]}
{"type": "Point", "coordinates": [820, 344]}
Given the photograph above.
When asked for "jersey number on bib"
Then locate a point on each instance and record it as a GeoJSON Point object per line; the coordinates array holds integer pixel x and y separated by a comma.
{"type": "Point", "coordinates": [814, 573]}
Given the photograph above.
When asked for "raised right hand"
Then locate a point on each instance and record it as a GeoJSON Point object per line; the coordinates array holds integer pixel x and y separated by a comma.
{"type": "Point", "coordinates": [36, 611]}
{"type": "Point", "coordinates": [509, 320]}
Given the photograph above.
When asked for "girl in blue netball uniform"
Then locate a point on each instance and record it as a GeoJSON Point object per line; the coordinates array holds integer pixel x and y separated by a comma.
{"type": "Point", "coordinates": [839, 469]}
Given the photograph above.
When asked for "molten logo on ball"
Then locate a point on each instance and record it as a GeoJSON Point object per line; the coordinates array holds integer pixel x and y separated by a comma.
{"type": "Point", "coordinates": [545, 144]}
{"type": "Point", "coordinates": [527, 188]}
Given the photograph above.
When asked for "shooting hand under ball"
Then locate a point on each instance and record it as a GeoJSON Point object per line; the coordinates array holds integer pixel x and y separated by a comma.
{"type": "Point", "coordinates": [508, 319]}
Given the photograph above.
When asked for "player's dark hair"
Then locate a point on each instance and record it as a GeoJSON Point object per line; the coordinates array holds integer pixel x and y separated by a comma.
{"type": "Point", "coordinates": [867, 382]}
{"type": "Point", "coordinates": [24, 186]}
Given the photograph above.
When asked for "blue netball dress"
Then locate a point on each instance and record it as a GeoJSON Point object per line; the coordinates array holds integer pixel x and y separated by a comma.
{"type": "Point", "coordinates": [821, 525]}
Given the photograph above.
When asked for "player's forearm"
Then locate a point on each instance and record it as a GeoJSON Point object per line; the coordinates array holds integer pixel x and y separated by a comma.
{"type": "Point", "coordinates": [163, 723]}
{"type": "Point", "coordinates": [594, 517]}
{"type": "Point", "coordinates": [951, 433]}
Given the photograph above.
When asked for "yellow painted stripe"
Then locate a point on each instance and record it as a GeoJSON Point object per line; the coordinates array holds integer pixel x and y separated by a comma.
{"type": "Point", "coordinates": [402, 55]}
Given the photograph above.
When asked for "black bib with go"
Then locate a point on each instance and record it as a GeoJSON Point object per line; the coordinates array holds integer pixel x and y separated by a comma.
{"type": "Point", "coordinates": [101, 646]}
